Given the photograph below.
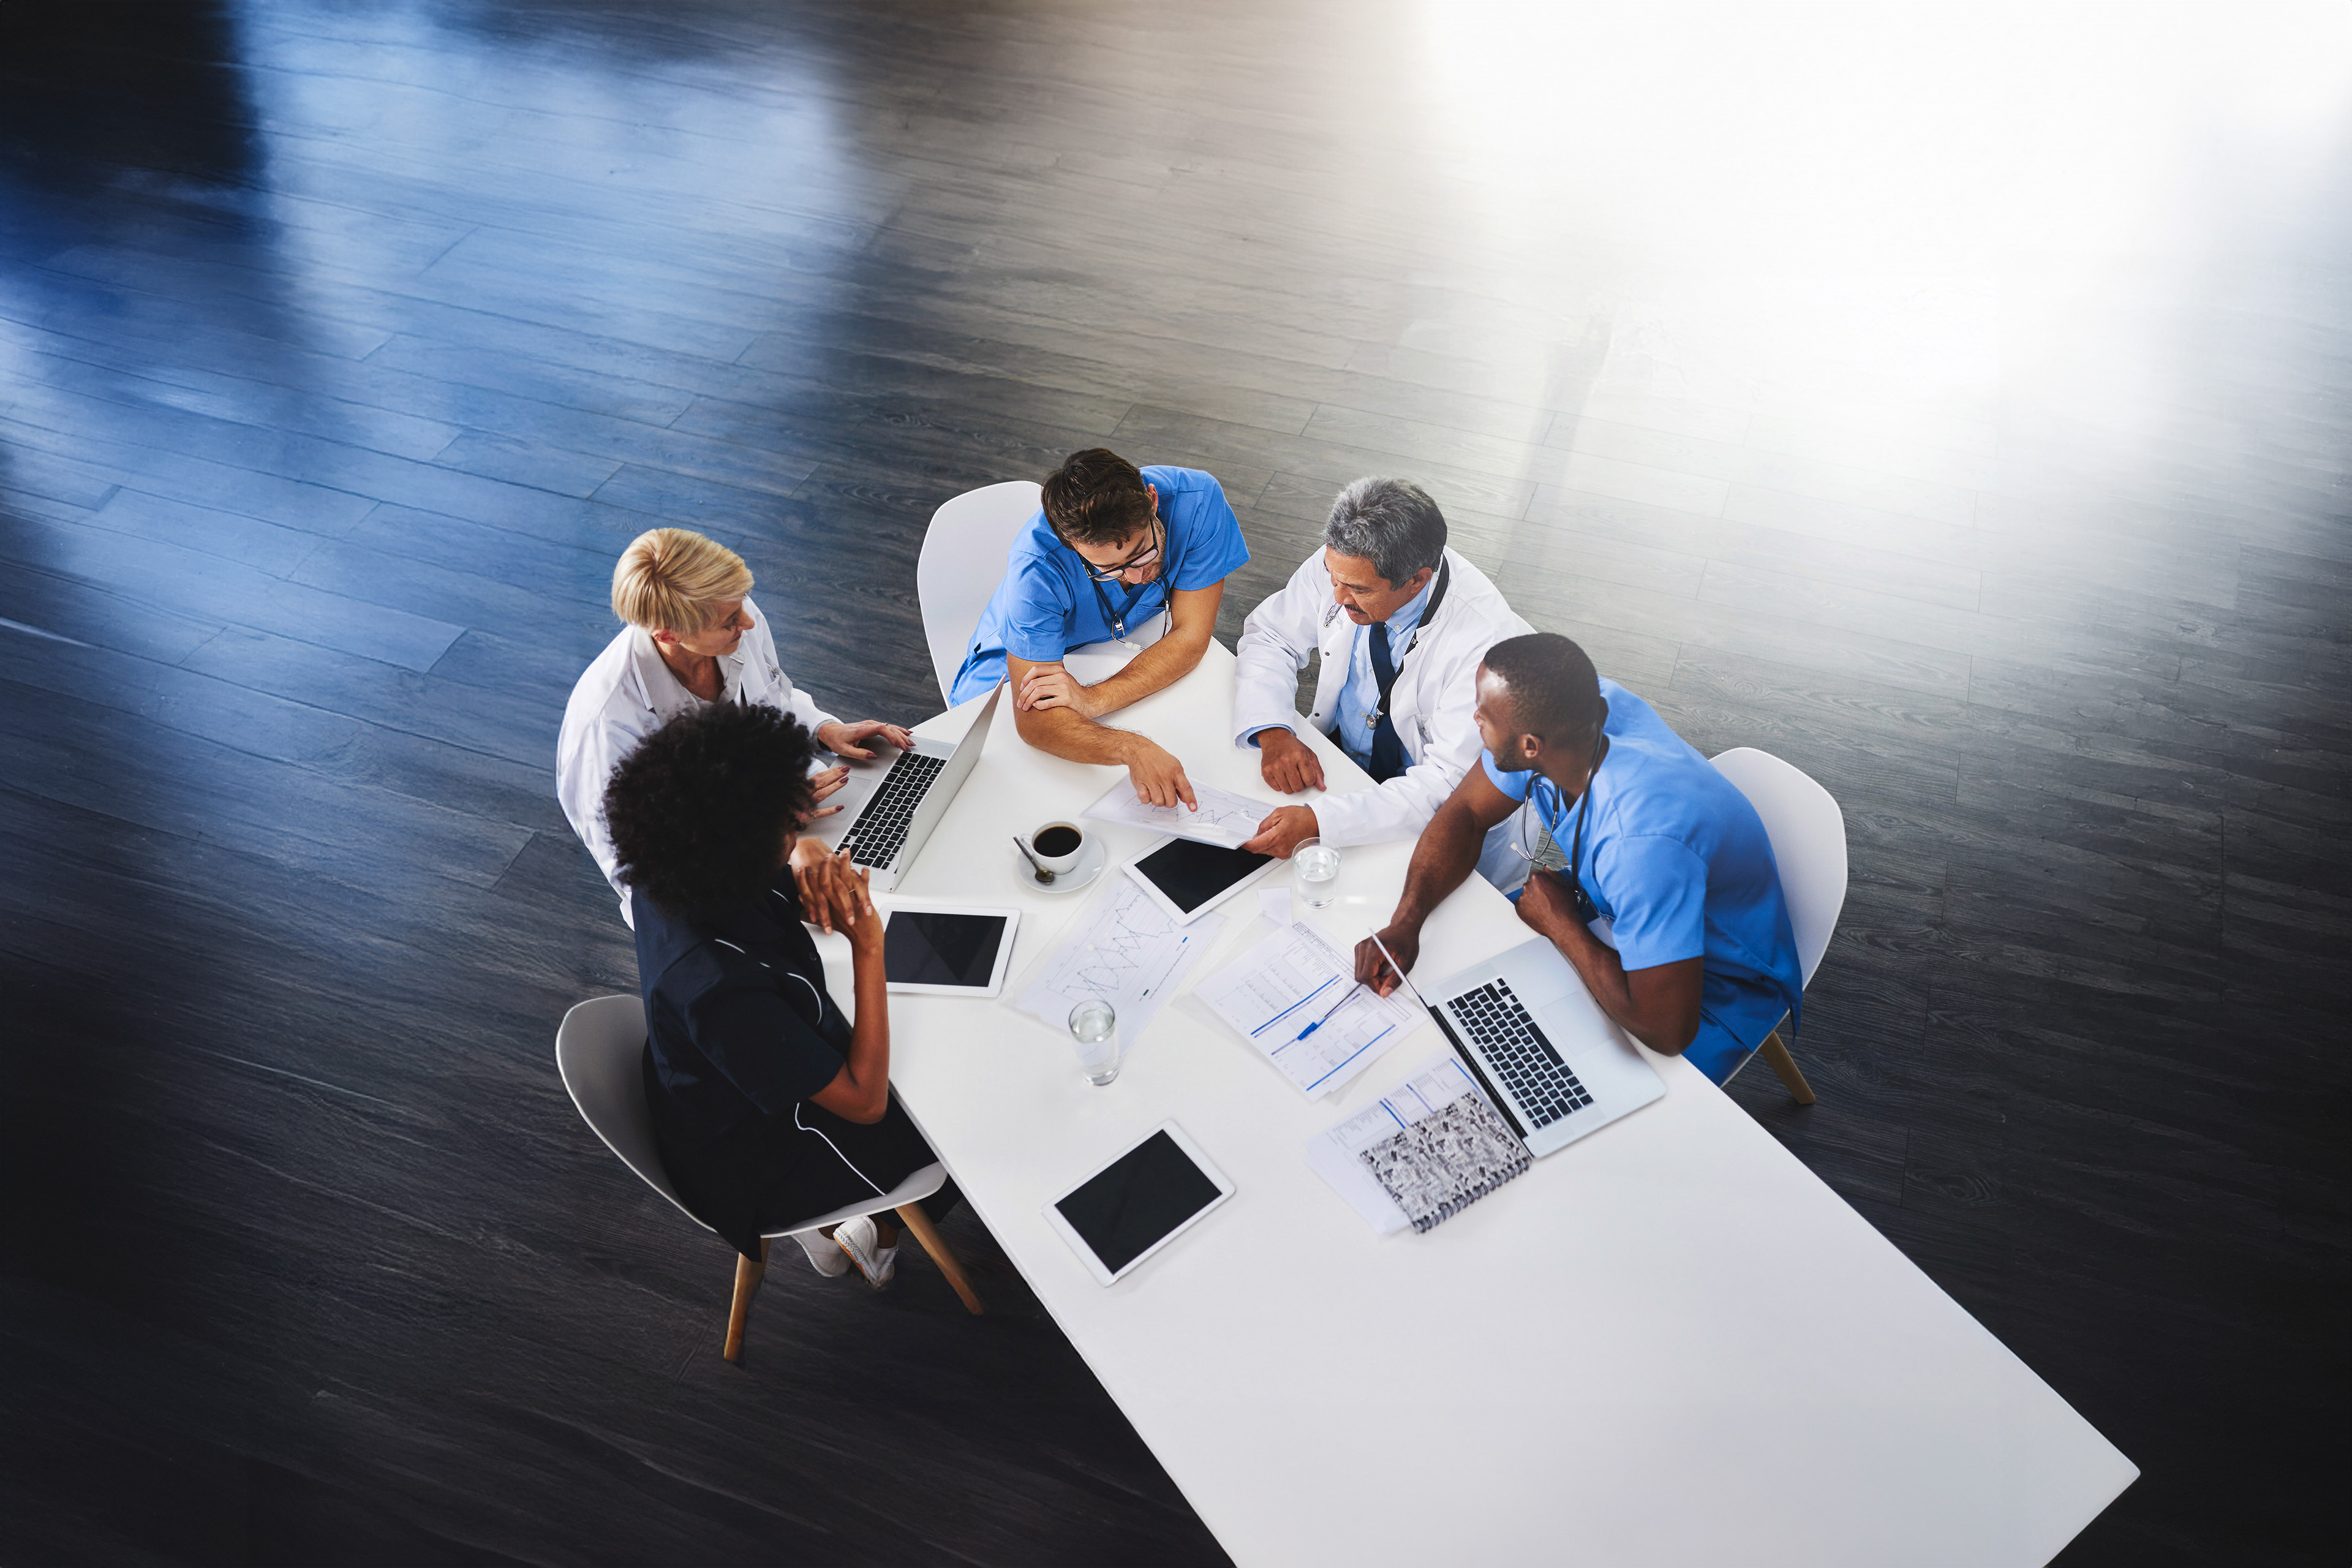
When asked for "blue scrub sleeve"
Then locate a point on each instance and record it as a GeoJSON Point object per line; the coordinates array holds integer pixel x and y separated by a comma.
{"type": "Point", "coordinates": [1212, 545]}
{"type": "Point", "coordinates": [770, 1052]}
{"type": "Point", "coordinates": [1037, 610]}
{"type": "Point", "coordinates": [1657, 888]}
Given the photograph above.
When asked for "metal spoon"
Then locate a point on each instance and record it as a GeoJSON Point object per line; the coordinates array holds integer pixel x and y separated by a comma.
{"type": "Point", "coordinates": [1042, 875]}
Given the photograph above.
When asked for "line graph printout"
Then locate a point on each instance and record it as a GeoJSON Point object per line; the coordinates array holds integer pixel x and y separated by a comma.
{"type": "Point", "coordinates": [1295, 997]}
{"type": "Point", "coordinates": [1125, 950]}
{"type": "Point", "coordinates": [1225, 819]}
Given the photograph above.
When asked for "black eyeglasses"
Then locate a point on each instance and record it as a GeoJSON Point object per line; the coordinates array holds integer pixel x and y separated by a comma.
{"type": "Point", "coordinates": [1144, 557]}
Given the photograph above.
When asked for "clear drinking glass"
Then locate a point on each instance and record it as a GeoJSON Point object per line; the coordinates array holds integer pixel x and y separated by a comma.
{"type": "Point", "coordinates": [1094, 1024]}
{"type": "Point", "coordinates": [1315, 872]}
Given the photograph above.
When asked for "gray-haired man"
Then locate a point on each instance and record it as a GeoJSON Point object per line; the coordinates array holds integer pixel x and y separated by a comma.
{"type": "Point", "coordinates": [1401, 622]}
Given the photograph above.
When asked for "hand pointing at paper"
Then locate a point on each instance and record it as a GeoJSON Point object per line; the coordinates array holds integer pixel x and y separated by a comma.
{"type": "Point", "coordinates": [1158, 777]}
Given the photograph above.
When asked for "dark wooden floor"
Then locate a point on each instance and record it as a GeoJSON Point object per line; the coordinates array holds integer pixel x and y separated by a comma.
{"type": "Point", "coordinates": [342, 346]}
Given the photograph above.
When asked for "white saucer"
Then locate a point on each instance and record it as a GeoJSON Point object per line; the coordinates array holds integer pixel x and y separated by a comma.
{"type": "Point", "coordinates": [1092, 859]}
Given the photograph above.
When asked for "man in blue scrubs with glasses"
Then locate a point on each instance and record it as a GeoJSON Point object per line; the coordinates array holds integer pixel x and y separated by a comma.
{"type": "Point", "coordinates": [1115, 554]}
{"type": "Point", "coordinates": [1670, 905]}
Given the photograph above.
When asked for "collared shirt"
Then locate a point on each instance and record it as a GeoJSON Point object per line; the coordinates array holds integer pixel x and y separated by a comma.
{"type": "Point", "coordinates": [1047, 604]}
{"type": "Point", "coordinates": [626, 694]}
{"type": "Point", "coordinates": [737, 1015]}
{"type": "Point", "coordinates": [1361, 694]}
{"type": "Point", "coordinates": [1676, 858]}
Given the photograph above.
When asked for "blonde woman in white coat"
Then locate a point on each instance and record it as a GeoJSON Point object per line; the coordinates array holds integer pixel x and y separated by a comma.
{"type": "Point", "coordinates": [693, 636]}
{"type": "Point", "coordinates": [1386, 602]}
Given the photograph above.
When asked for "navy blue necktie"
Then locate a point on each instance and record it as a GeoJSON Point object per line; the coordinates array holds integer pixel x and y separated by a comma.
{"type": "Point", "coordinates": [1388, 750]}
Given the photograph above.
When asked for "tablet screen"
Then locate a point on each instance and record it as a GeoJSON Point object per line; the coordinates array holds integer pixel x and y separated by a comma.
{"type": "Point", "coordinates": [1192, 874]}
{"type": "Point", "coordinates": [1149, 1191]}
{"type": "Point", "coordinates": [935, 947]}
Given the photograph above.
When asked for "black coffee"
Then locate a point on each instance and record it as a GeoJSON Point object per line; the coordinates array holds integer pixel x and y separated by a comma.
{"type": "Point", "coordinates": [1057, 842]}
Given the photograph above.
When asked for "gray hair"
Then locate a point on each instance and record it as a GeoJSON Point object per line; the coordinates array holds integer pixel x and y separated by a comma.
{"type": "Point", "coordinates": [1392, 523]}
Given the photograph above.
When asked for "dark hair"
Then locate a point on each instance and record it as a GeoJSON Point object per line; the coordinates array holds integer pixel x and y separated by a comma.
{"type": "Point", "coordinates": [1097, 497]}
{"type": "Point", "coordinates": [699, 810]}
{"type": "Point", "coordinates": [1392, 523]}
{"type": "Point", "coordinates": [1555, 691]}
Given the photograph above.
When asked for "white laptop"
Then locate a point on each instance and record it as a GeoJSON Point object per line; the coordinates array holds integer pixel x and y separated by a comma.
{"type": "Point", "coordinates": [1540, 1046]}
{"type": "Point", "coordinates": [892, 802]}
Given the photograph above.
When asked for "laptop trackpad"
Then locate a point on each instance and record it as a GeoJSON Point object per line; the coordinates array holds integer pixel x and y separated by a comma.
{"type": "Point", "coordinates": [864, 779]}
{"type": "Point", "coordinates": [1547, 985]}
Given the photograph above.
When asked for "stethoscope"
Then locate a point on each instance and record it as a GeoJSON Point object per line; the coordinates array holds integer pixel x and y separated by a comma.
{"type": "Point", "coordinates": [1118, 618]}
{"type": "Point", "coordinates": [1436, 598]}
{"type": "Point", "coordinates": [1586, 910]}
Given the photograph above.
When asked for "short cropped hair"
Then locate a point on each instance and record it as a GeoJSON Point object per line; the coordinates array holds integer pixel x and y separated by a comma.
{"type": "Point", "coordinates": [699, 810]}
{"type": "Point", "coordinates": [1097, 497]}
{"type": "Point", "coordinates": [1555, 692]}
{"type": "Point", "coordinates": [668, 579]}
{"type": "Point", "coordinates": [1392, 523]}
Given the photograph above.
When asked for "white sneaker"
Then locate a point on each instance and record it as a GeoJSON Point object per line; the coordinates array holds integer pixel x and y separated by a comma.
{"type": "Point", "coordinates": [856, 1238]}
{"type": "Point", "coordinates": [823, 1254]}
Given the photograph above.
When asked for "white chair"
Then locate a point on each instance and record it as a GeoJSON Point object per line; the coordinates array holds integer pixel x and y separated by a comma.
{"type": "Point", "coordinates": [598, 1049]}
{"type": "Point", "coordinates": [962, 563]}
{"type": "Point", "coordinates": [1808, 835]}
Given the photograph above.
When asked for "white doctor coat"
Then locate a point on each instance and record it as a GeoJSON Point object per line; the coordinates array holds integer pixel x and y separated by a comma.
{"type": "Point", "coordinates": [1436, 688]}
{"type": "Point", "coordinates": [626, 694]}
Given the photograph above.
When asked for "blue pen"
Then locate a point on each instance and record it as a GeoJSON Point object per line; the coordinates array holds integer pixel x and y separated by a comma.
{"type": "Point", "coordinates": [1326, 1013]}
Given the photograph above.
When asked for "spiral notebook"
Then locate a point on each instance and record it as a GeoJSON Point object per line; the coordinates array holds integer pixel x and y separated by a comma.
{"type": "Point", "coordinates": [1429, 1149]}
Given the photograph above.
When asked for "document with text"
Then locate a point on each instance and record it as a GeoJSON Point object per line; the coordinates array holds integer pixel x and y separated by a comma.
{"type": "Point", "coordinates": [1295, 997]}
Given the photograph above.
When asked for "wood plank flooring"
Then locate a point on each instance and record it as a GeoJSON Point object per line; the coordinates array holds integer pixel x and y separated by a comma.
{"type": "Point", "coordinates": [341, 348]}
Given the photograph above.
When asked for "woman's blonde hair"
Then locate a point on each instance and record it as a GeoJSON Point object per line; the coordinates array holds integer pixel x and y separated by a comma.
{"type": "Point", "coordinates": [669, 578]}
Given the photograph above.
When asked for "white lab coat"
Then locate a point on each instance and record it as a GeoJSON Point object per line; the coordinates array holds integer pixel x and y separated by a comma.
{"type": "Point", "coordinates": [626, 694]}
{"type": "Point", "coordinates": [1435, 689]}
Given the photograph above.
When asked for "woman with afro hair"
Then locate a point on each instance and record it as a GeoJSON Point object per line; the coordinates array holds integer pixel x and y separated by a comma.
{"type": "Point", "coordinates": [767, 1104]}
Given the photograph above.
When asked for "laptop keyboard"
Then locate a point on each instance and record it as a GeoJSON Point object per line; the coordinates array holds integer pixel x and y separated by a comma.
{"type": "Point", "coordinates": [881, 827]}
{"type": "Point", "coordinates": [1518, 1055]}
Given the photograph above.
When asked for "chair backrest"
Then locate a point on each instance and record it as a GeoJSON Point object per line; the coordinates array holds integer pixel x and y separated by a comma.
{"type": "Point", "coordinates": [599, 1049]}
{"type": "Point", "coordinates": [1808, 835]}
{"type": "Point", "coordinates": [962, 563]}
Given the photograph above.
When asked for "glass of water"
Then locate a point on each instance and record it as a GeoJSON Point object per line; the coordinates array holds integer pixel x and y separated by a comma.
{"type": "Point", "coordinates": [1095, 1026]}
{"type": "Point", "coordinates": [1315, 872]}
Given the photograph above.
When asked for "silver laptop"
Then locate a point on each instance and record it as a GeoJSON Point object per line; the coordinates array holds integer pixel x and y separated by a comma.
{"type": "Point", "coordinates": [892, 801]}
{"type": "Point", "coordinates": [1540, 1046]}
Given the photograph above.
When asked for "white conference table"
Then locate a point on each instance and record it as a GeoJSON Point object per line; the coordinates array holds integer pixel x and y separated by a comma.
{"type": "Point", "coordinates": [1667, 1344]}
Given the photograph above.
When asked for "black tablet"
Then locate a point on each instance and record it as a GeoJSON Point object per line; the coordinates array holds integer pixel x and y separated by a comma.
{"type": "Point", "coordinates": [1187, 878]}
{"type": "Point", "coordinates": [947, 952]}
{"type": "Point", "coordinates": [1139, 1203]}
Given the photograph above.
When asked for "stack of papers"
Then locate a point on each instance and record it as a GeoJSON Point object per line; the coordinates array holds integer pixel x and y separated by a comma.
{"type": "Point", "coordinates": [1424, 1153]}
{"type": "Point", "coordinates": [1297, 1000]}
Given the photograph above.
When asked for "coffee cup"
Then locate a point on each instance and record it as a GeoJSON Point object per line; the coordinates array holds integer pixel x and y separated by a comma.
{"type": "Point", "coordinates": [1057, 846]}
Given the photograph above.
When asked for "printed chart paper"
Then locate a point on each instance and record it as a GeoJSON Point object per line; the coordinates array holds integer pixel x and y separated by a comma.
{"type": "Point", "coordinates": [1225, 819]}
{"type": "Point", "coordinates": [1125, 951]}
{"type": "Point", "coordinates": [1296, 999]}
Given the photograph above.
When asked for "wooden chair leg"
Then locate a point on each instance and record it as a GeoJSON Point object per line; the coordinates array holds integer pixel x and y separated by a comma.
{"type": "Point", "coordinates": [1777, 1056]}
{"type": "Point", "coordinates": [747, 1276]}
{"type": "Point", "coordinates": [913, 1217]}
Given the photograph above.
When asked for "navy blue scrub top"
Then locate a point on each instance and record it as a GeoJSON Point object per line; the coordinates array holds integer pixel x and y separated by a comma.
{"type": "Point", "coordinates": [737, 1013]}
